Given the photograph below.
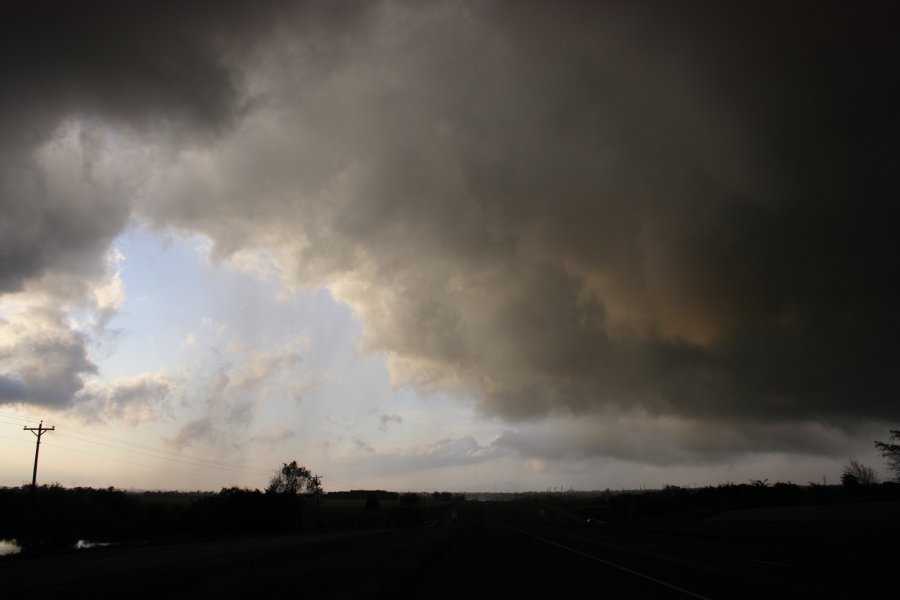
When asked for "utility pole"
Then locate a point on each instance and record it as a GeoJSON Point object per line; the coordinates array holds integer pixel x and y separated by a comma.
{"type": "Point", "coordinates": [316, 480]}
{"type": "Point", "coordinates": [38, 432]}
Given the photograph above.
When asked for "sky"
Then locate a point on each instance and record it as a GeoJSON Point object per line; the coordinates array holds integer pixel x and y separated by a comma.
{"type": "Point", "coordinates": [447, 245]}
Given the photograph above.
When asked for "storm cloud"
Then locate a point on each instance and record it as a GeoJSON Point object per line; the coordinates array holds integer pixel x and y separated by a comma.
{"type": "Point", "coordinates": [668, 213]}
{"type": "Point", "coordinates": [44, 361]}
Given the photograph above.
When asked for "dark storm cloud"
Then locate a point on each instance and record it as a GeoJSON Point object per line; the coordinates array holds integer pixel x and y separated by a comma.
{"type": "Point", "coordinates": [83, 60]}
{"type": "Point", "coordinates": [678, 212]}
{"type": "Point", "coordinates": [80, 80]}
{"type": "Point", "coordinates": [667, 440]}
{"type": "Point", "coordinates": [11, 389]}
{"type": "Point", "coordinates": [682, 211]}
{"type": "Point", "coordinates": [168, 69]}
{"type": "Point", "coordinates": [161, 63]}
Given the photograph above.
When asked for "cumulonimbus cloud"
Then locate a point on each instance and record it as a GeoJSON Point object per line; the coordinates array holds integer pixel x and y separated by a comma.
{"type": "Point", "coordinates": [554, 211]}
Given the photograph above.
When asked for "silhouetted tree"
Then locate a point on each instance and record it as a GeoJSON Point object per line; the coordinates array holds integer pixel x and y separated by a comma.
{"type": "Point", "coordinates": [314, 485]}
{"type": "Point", "coordinates": [292, 480]}
{"type": "Point", "coordinates": [289, 487]}
{"type": "Point", "coordinates": [856, 473]}
{"type": "Point", "coordinates": [891, 452]}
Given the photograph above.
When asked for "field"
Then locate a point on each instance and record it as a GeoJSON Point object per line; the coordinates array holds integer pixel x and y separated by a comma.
{"type": "Point", "coordinates": [732, 543]}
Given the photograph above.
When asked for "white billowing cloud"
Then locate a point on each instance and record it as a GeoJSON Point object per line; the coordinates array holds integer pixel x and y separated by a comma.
{"type": "Point", "coordinates": [110, 294]}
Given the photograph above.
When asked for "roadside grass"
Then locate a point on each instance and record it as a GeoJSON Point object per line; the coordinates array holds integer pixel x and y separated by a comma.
{"type": "Point", "coordinates": [376, 566]}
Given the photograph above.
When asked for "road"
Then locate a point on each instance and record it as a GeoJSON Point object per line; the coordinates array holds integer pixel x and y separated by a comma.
{"type": "Point", "coordinates": [504, 553]}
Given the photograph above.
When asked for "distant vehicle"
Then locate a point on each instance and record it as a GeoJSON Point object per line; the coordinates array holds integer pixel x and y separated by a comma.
{"type": "Point", "coordinates": [594, 522]}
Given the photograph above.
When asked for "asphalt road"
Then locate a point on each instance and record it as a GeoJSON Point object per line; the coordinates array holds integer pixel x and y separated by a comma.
{"type": "Point", "coordinates": [504, 552]}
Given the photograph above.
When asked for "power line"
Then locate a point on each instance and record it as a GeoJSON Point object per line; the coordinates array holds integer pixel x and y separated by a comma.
{"type": "Point", "coordinates": [22, 419]}
{"type": "Point", "coordinates": [149, 451]}
{"type": "Point", "coordinates": [158, 453]}
{"type": "Point", "coordinates": [205, 465]}
{"type": "Point", "coordinates": [177, 456]}
{"type": "Point", "coordinates": [125, 460]}
{"type": "Point", "coordinates": [337, 481]}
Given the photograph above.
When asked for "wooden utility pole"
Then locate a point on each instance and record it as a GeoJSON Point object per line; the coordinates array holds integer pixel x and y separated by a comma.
{"type": "Point", "coordinates": [38, 432]}
{"type": "Point", "coordinates": [316, 481]}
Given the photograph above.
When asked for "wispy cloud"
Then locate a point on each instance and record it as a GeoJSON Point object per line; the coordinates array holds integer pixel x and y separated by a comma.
{"type": "Point", "coordinates": [134, 400]}
{"type": "Point", "coordinates": [233, 391]}
{"type": "Point", "coordinates": [385, 420]}
{"type": "Point", "coordinates": [447, 452]}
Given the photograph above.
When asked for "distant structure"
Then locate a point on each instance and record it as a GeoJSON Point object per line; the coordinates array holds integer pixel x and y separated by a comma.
{"type": "Point", "coordinates": [38, 432]}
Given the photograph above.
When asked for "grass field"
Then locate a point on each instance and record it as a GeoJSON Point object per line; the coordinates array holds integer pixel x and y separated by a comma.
{"type": "Point", "coordinates": [378, 566]}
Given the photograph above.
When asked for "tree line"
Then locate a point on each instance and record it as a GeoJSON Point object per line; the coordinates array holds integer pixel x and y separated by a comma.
{"type": "Point", "coordinates": [52, 517]}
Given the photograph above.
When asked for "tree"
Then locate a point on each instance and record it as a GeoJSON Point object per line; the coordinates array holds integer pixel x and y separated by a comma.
{"type": "Point", "coordinates": [891, 452]}
{"type": "Point", "coordinates": [293, 480]}
{"type": "Point", "coordinates": [856, 473]}
{"type": "Point", "coordinates": [314, 485]}
{"type": "Point", "coordinates": [288, 490]}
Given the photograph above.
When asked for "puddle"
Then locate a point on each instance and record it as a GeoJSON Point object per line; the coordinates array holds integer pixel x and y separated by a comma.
{"type": "Point", "coordinates": [87, 544]}
{"type": "Point", "coordinates": [8, 547]}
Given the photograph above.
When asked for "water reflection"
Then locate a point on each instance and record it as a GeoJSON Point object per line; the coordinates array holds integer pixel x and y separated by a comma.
{"type": "Point", "coordinates": [8, 547]}
{"type": "Point", "coordinates": [87, 544]}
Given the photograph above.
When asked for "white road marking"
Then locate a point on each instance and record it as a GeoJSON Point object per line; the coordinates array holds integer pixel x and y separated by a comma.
{"type": "Point", "coordinates": [615, 566]}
